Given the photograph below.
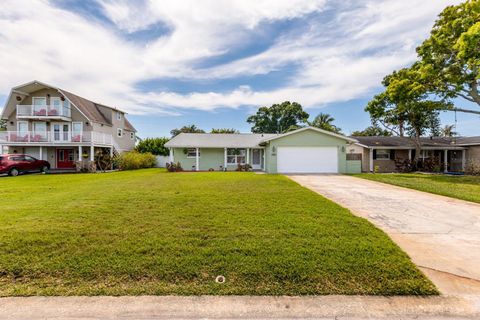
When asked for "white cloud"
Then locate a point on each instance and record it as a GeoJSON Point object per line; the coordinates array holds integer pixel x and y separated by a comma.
{"type": "Point", "coordinates": [337, 59]}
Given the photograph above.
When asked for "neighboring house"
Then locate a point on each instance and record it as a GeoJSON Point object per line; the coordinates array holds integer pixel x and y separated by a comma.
{"type": "Point", "coordinates": [58, 126]}
{"type": "Point", "coordinates": [306, 150]}
{"type": "Point", "coordinates": [384, 154]}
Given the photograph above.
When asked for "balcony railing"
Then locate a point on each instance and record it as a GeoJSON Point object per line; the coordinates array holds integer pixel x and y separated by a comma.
{"type": "Point", "coordinates": [43, 111]}
{"type": "Point", "coordinates": [30, 137]}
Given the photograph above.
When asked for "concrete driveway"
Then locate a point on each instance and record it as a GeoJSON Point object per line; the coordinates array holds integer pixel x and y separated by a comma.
{"type": "Point", "coordinates": [440, 234]}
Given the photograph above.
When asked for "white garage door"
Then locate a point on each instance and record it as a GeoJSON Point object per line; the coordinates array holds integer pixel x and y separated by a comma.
{"type": "Point", "coordinates": [307, 160]}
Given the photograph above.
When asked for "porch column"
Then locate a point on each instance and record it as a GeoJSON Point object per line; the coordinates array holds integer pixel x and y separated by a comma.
{"type": "Point", "coordinates": [409, 154]}
{"type": "Point", "coordinates": [170, 154]}
{"type": "Point", "coordinates": [40, 152]}
{"type": "Point", "coordinates": [371, 160]}
{"type": "Point", "coordinates": [248, 155]}
{"type": "Point", "coordinates": [92, 153]}
{"type": "Point", "coordinates": [463, 160]}
{"type": "Point", "coordinates": [1, 148]}
{"type": "Point", "coordinates": [197, 160]}
{"type": "Point", "coordinates": [80, 153]}
{"type": "Point", "coordinates": [225, 159]}
{"type": "Point", "coordinates": [111, 152]}
{"type": "Point", "coordinates": [445, 159]}
{"type": "Point", "coordinates": [264, 153]}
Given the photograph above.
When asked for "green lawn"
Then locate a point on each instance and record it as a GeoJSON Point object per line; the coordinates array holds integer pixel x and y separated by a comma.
{"type": "Point", "coordinates": [460, 187]}
{"type": "Point", "coordinates": [152, 232]}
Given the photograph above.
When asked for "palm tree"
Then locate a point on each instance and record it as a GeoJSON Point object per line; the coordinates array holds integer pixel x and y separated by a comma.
{"type": "Point", "coordinates": [447, 131]}
{"type": "Point", "coordinates": [325, 121]}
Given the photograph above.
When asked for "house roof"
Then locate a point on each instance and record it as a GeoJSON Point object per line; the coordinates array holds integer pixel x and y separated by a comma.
{"type": "Point", "coordinates": [89, 108]}
{"type": "Point", "coordinates": [328, 133]}
{"type": "Point", "coordinates": [235, 140]}
{"type": "Point", "coordinates": [406, 142]}
{"type": "Point", "coordinates": [218, 140]}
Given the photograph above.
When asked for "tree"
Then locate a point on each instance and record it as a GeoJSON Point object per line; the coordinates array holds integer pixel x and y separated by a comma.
{"type": "Point", "coordinates": [186, 129]}
{"type": "Point", "coordinates": [450, 57]}
{"type": "Point", "coordinates": [278, 118]}
{"type": "Point", "coordinates": [404, 106]}
{"type": "Point", "coordinates": [325, 121]}
{"type": "Point", "coordinates": [3, 124]}
{"type": "Point", "coordinates": [224, 130]}
{"type": "Point", "coordinates": [372, 131]}
{"type": "Point", "coordinates": [448, 131]}
{"type": "Point", "coordinates": [155, 146]}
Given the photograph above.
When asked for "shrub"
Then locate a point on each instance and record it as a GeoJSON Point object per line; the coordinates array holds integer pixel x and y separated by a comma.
{"type": "Point", "coordinates": [243, 167]}
{"type": "Point", "coordinates": [135, 160]}
{"type": "Point", "coordinates": [473, 167]}
{"type": "Point", "coordinates": [174, 167]}
{"type": "Point", "coordinates": [155, 146]}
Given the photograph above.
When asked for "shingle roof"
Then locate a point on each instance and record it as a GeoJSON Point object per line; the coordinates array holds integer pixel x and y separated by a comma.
{"type": "Point", "coordinates": [468, 141]}
{"type": "Point", "coordinates": [87, 107]}
{"type": "Point", "coordinates": [218, 140]}
{"type": "Point", "coordinates": [128, 125]}
{"type": "Point", "coordinates": [91, 109]}
{"type": "Point", "coordinates": [425, 141]}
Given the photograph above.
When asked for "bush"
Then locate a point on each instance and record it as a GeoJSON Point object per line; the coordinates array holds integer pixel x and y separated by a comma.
{"type": "Point", "coordinates": [243, 167]}
{"type": "Point", "coordinates": [473, 167]}
{"type": "Point", "coordinates": [135, 160]}
{"type": "Point", "coordinates": [155, 146]}
{"type": "Point", "coordinates": [174, 167]}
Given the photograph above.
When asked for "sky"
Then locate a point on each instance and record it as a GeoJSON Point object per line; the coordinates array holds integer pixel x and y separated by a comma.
{"type": "Point", "coordinates": [213, 63]}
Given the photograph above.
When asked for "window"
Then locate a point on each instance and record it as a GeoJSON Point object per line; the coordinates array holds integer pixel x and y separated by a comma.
{"type": "Point", "coordinates": [22, 127]}
{"type": "Point", "coordinates": [132, 135]}
{"type": "Point", "coordinates": [77, 128]}
{"type": "Point", "coordinates": [383, 154]}
{"type": "Point", "coordinates": [29, 159]}
{"type": "Point", "coordinates": [39, 131]}
{"type": "Point", "coordinates": [119, 115]}
{"type": "Point", "coordinates": [191, 153]}
{"type": "Point", "coordinates": [236, 156]}
{"type": "Point", "coordinates": [119, 132]}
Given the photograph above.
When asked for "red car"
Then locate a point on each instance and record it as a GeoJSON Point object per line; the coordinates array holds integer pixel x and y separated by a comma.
{"type": "Point", "coordinates": [14, 164]}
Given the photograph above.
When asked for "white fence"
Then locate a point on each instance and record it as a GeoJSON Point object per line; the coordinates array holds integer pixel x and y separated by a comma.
{"type": "Point", "coordinates": [162, 161]}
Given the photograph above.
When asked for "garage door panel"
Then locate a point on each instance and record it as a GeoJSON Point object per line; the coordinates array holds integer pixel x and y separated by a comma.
{"type": "Point", "coordinates": [307, 160]}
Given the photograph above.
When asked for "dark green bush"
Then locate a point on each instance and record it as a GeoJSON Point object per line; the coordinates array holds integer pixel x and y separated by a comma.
{"type": "Point", "coordinates": [135, 160]}
{"type": "Point", "coordinates": [155, 146]}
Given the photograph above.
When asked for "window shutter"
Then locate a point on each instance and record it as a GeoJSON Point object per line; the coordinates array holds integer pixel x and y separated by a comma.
{"type": "Point", "coordinates": [392, 154]}
{"type": "Point", "coordinates": [374, 154]}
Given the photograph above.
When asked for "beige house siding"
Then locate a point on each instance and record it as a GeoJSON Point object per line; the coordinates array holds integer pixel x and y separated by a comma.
{"type": "Point", "coordinates": [473, 153]}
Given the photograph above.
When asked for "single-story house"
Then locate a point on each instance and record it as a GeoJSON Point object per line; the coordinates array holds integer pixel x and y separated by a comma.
{"type": "Point", "coordinates": [386, 154]}
{"type": "Point", "coordinates": [313, 150]}
{"type": "Point", "coordinates": [306, 150]}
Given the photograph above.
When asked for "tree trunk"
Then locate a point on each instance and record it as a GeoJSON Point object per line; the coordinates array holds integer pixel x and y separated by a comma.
{"type": "Point", "coordinates": [401, 129]}
{"type": "Point", "coordinates": [418, 148]}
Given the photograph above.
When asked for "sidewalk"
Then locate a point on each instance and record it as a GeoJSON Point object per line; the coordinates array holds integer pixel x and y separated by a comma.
{"type": "Point", "coordinates": [241, 307]}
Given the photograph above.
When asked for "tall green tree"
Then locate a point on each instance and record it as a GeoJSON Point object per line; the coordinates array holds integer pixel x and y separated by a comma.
{"type": "Point", "coordinates": [450, 57]}
{"type": "Point", "coordinates": [186, 129]}
{"type": "Point", "coordinates": [278, 118]}
{"type": "Point", "coordinates": [325, 121]}
{"type": "Point", "coordinates": [3, 124]}
{"type": "Point", "coordinates": [372, 131]}
{"type": "Point", "coordinates": [405, 104]}
{"type": "Point", "coordinates": [224, 130]}
{"type": "Point", "coordinates": [155, 146]}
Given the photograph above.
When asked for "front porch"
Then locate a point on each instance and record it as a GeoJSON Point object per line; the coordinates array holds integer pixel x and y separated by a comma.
{"type": "Point", "coordinates": [450, 159]}
{"type": "Point", "coordinates": [60, 157]}
{"type": "Point", "coordinates": [218, 159]}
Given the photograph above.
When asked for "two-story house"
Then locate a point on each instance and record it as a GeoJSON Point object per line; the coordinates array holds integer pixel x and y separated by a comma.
{"type": "Point", "coordinates": [52, 124]}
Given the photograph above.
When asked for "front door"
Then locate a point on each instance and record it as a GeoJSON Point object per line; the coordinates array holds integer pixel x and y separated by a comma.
{"type": "Point", "coordinates": [256, 159]}
{"type": "Point", "coordinates": [65, 159]}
